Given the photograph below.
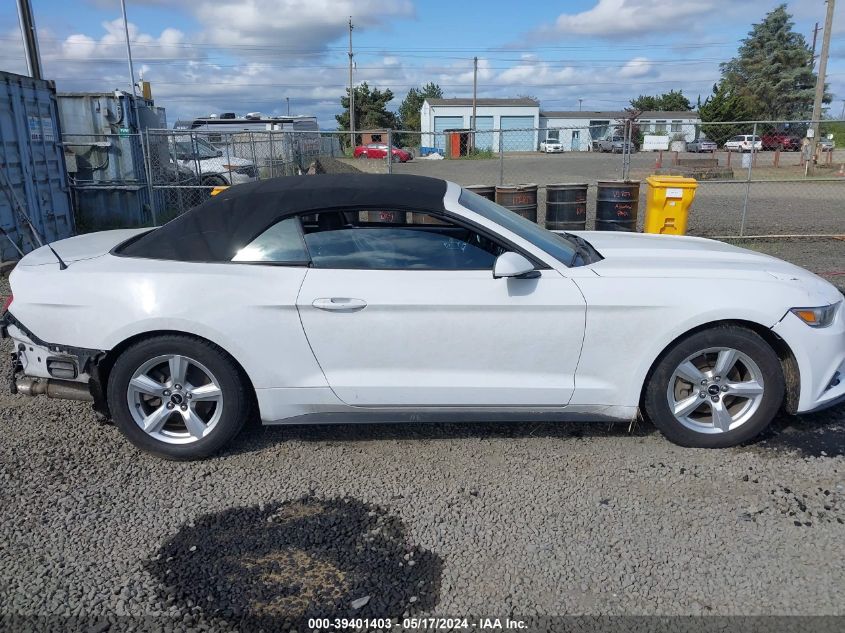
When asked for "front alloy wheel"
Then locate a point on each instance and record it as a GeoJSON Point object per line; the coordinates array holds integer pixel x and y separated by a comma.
{"type": "Point", "coordinates": [715, 388]}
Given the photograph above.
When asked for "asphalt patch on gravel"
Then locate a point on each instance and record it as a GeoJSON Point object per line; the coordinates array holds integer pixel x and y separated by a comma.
{"type": "Point", "coordinates": [810, 435]}
{"type": "Point", "coordinates": [274, 566]}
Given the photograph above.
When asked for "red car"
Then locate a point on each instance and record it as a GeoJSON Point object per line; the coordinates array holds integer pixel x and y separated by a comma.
{"type": "Point", "coordinates": [379, 150]}
{"type": "Point", "coordinates": [782, 141]}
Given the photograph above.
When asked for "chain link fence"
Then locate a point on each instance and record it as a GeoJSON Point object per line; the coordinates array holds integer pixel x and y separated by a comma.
{"type": "Point", "coordinates": [754, 178]}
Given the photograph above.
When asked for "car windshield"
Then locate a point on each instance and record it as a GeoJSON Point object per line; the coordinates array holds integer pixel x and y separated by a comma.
{"type": "Point", "coordinates": [201, 149]}
{"type": "Point", "coordinates": [564, 249]}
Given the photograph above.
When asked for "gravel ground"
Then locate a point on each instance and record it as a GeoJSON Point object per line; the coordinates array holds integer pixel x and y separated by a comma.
{"type": "Point", "coordinates": [454, 520]}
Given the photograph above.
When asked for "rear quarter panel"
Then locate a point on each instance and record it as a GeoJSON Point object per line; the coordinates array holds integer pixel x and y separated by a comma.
{"type": "Point", "coordinates": [248, 310]}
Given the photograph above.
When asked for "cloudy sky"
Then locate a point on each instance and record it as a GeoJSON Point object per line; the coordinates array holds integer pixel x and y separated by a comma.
{"type": "Point", "coordinates": [204, 56]}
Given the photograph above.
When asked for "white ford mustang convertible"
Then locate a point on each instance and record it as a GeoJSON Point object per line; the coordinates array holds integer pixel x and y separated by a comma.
{"type": "Point", "coordinates": [402, 298]}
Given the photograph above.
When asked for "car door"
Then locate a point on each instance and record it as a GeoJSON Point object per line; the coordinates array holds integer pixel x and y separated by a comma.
{"type": "Point", "coordinates": [408, 313]}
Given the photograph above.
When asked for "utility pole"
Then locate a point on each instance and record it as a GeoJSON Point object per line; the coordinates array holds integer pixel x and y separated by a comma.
{"type": "Point", "coordinates": [474, 96]}
{"type": "Point", "coordinates": [351, 93]}
{"type": "Point", "coordinates": [287, 99]}
{"type": "Point", "coordinates": [579, 104]}
{"type": "Point", "coordinates": [30, 39]}
{"type": "Point", "coordinates": [817, 102]}
{"type": "Point", "coordinates": [816, 30]}
{"type": "Point", "coordinates": [128, 48]}
{"type": "Point", "coordinates": [842, 114]}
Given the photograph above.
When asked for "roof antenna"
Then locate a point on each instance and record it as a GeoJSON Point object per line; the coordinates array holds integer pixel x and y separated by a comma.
{"type": "Point", "coordinates": [62, 265]}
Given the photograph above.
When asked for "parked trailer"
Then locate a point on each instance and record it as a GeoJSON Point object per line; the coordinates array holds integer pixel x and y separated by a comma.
{"type": "Point", "coordinates": [35, 201]}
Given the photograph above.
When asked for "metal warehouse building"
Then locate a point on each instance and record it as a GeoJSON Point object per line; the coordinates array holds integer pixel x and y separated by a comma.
{"type": "Point", "coordinates": [518, 118]}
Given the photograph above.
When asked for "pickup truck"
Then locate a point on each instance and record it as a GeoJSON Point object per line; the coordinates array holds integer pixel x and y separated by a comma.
{"type": "Point", "coordinates": [781, 141]}
{"type": "Point", "coordinates": [613, 144]}
{"type": "Point", "coordinates": [209, 164]}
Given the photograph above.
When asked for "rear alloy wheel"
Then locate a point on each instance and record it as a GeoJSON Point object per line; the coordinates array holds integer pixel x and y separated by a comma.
{"type": "Point", "coordinates": [177, 397]}
{"type": "Point", "coordinates": [717, 388]}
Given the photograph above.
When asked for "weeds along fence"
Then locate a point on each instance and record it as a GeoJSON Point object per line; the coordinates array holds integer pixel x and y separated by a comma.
{"type": "Point", "coordinates": [754, 178]}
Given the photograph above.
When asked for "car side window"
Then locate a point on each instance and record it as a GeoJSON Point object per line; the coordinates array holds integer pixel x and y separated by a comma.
{"type": "Point", "coordinates": [280, 244]}
{"type": "Point", "coordinates": [395, 240]}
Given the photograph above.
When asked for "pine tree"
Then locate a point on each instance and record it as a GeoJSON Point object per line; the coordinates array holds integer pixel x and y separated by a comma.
{"type": "Point", "coordinates": [409, 109]}
{"type": "Point", "coordinates": [724, 105]}
{"type": "Point", "coordinates": [772, 70]}
{"type": "Point", "coordinates": [371, 111]}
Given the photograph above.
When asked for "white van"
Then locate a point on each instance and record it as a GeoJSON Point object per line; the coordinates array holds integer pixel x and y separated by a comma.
{"type": "Point", "coordinates": [744, 143]}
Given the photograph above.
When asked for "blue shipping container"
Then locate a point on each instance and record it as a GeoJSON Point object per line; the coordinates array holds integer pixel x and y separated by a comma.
{"type": "Point", "coordinates": [32, 166]}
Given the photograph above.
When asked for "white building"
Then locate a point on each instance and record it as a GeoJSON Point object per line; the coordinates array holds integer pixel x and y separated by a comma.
{"type": "Point", "coordinates": [518, 118]}
{"type": "Point", "coordinates": [525, 126]}
{"type": "Point", "coordinates": [577, 130]}
{"type": "Point", "coordinates": [685, 123]}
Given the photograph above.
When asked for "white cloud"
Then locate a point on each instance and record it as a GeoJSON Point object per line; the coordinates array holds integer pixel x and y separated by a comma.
{"type": "Point", "coordinates": [534, 71]}
{"type": "Point", "coordinates": [637, 67]}
{"type": "Point", "coordinates": [612, 18]}
{"type": "Point", "coordinates": [295, 24]}
{"type": "Point", "coordinates": [169, 44]}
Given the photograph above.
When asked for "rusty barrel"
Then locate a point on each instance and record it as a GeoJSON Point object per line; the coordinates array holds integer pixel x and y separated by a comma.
{"type": "Point", "coordinates": [521, 199]}
{"type": "Point", "coordinates": [485, 191]}
{"type": "Point", "coordinates": [617, 205]}
{"type": "Point", "coordinates": [566, 207]}
{"type": "Point", "coordinates": [383, 217]}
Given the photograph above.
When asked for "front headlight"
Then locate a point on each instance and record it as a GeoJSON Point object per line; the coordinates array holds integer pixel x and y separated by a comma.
{"type": "Point", "coordinates": [817, 317]}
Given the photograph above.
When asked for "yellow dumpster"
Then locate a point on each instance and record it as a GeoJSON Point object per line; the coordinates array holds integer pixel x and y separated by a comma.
{"type": "Point", "coordinates": [667, 203]}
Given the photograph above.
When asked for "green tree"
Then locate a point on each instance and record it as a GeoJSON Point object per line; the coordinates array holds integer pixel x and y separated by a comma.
{"type": "Point", "coordinates": [672, 101]}
{"type": "Point", "coordinates": [409, 109]}
{"type": "Point", "coordinates": [772, 70]}
{"type": "Point", "coordinates": [371, 111]}
{"type": "Point", "coordinates": [724, 105]}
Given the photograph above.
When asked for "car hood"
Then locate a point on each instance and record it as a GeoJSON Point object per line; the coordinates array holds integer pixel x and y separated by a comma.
{"type": "Point", "coordinates": [222, 160]}
{"type": "Point", "coordinates": [81, 247]}
{"type": "Point", "coordinates": [641, 255]}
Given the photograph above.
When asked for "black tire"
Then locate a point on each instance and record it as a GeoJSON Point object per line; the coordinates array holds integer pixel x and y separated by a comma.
{"type": "Point", "coordinates": [236, 400]}
{"type": "Point", "coordinates": [214, 181]}
{"type": "Point", "coordinates": [739, 338]}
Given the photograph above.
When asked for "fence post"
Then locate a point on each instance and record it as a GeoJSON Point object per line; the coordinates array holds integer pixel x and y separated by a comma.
{"type": "Point", "coordinates": [272, 160]}
{"type": "Point", "coordinates": [389, 151]}
{"type": "Point", "coordinates": [624, 148]}
{"type": "Point", "coordinates": [254, 158]}
{"type": "Point", "coordinates": [228, 158]}
{"type": "Point", "coordinates": [149, 166]}
{"type": "Point", "coordinates": [748, 182]}
{"type": "Point", "coordinates": [501, 157]}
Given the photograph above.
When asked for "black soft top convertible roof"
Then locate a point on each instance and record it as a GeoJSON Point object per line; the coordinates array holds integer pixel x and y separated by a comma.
{"type": "Point", "coordinates": [217, 229]}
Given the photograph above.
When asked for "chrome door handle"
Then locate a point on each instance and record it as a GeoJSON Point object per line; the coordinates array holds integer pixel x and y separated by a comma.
{"type": "Point", "coordinates": [339, 304]}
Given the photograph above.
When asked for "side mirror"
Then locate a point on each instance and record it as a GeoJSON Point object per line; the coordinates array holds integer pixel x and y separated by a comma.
{"type": "Point", "coordinates": [514, 265]}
